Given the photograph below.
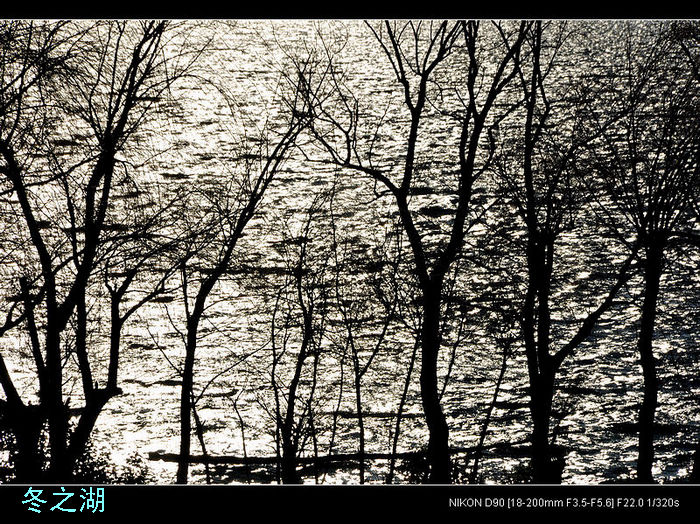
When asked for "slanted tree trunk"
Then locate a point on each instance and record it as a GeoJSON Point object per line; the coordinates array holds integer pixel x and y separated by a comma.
{"type": "Point", "coordinates": [289, 440]}
{"type": "Point", "coordinates": [473, 476]}
{"type": "Point", "coordinates": [185, 398]}
{"type": "Point", "coordinates": [399, 414]}
{"type": "Point", "coordinates": [80, 436]}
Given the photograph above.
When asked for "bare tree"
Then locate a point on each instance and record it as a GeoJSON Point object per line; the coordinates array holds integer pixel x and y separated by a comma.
{"type": "Point", "coordinates": [418, 55]}
{"type": "Point", "coordinates": [32, 57]}
{"type": "Point", "coordinates": [224, 211]}
{"type": "Point", "coordinates": [650, 166]}
{"type": "Point", "coordinates": [64, 148]}
{"type": "Point", "coordinates": [359, 298]}
{"type": "Point", "coordinates": [687, 35]}
{"type": "Point", "coordinates": [543, 188]}
{"type": "Point", "coordinates": [299, 327]}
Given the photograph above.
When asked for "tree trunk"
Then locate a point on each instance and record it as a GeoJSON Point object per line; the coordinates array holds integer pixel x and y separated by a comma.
{"type": "Point", "coordinates": [80, 436]}
{"type": "Point", "coordinates": [473, 476]}
{"type": "Point", "coordinates": [116, 324]}
{"type": "Point", "coordinates": [544, 470]}
{"type": "Point", "coordinates": [289, 461]}
{"type": "Point", "coordinates": [57, 412]}
{"type": "Point", "coordinates": [438, 443]}
{"type": "Point", "coordinates": [289, 442]}
{"type": "Point", "coordinates": [537, 326]}
{"type": "Point", "coordinates": [652, 277]}
{"type": "Point", "coordinates": [399, 414]}
{"type": "Point", "coordinates": [185, 402]}
{"type": "Point", "coordinates": [360, 416]}
{"type": "Point", "coordinates": [25, 424]}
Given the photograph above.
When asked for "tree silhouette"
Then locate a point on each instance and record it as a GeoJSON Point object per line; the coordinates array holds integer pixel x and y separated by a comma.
{"type": "Point", "coordinates": [66, 134]}
{"type": "Point", "coordinates": [224, 211]}
{"type": "Point", "coordinates": [551, 203]}
{"type": "Point", "coordinates": [418, 54]}
{"type": "Point", "coordinates": [649, 166]}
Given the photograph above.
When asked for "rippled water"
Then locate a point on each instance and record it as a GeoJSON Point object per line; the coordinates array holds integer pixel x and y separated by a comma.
{"type": "Point", "coordinates": [599, 389]}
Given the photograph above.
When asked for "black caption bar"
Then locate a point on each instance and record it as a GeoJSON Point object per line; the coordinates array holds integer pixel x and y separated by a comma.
{"type": "Point", "coordinates": [326, 501]}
